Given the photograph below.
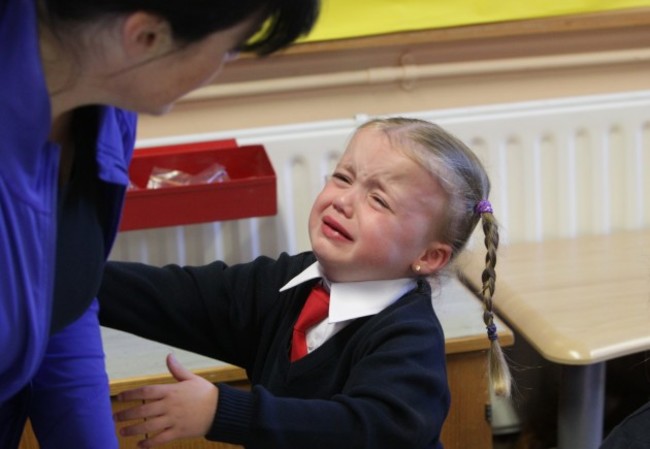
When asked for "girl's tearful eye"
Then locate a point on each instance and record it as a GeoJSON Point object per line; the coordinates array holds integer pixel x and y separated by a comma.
{"type": "Point", "coordinates": [380, 201]}
{"type": "Point", "coordinates": [341, 178]}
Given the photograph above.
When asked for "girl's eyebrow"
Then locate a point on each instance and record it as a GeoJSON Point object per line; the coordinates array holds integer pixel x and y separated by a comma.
{"type": "Point", "coordinates": [342, 165]}
{"type": "Point", "coordinates": [391, 184]}
{"type": "Point", "coordinates": [383, 181]}
{"type": "Point", "coordinates": [382, 185]}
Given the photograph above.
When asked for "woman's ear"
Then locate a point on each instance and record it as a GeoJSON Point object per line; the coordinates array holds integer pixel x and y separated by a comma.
{"type": "Point", "coordinates": [433, 259]}
{"type": "Point", "coordinates": [146, 36]}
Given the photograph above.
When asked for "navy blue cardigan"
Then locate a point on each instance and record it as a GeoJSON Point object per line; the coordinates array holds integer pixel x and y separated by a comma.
{"type": "Point", "coordinates": [379, 383]}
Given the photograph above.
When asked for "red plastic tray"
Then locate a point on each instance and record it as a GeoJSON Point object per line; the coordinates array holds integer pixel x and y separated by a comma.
{"type": "Point", "coordinates": [250, 191]}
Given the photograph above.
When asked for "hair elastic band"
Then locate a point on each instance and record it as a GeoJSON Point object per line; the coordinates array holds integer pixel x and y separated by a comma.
{"type": "Point", "coordinates": [483, 207]}
{"type": "Point", "coordinates": [492, 332]}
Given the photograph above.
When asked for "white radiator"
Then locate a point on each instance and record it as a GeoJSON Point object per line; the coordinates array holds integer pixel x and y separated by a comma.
{"type": "Point", "coordinates": [559, 168]}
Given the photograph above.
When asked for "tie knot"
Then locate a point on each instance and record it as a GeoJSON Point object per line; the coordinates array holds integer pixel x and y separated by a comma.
{"type": "Point", "coordinates": [315, 309]}
{"type": "Point", "coordinates": [313, 312]}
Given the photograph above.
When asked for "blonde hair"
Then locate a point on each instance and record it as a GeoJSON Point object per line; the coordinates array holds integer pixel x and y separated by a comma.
{"type": "Point", "coordinates": [464, 179]}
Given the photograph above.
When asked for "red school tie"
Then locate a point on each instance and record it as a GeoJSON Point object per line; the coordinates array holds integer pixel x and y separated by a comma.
{"type": "Point", "coordinates": [313, 312]}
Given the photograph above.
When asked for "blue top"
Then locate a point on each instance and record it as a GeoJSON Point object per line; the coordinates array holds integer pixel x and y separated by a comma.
{"type": "Point", "coordinates": [28, 193]}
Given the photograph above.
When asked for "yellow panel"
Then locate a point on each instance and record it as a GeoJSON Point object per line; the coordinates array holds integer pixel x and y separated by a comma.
{"type": "Point", "coordinates": [342, 19]}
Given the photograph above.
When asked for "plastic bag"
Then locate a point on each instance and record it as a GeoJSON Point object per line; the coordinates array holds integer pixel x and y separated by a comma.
{"type": "Point", "coordinates": [165, 177]}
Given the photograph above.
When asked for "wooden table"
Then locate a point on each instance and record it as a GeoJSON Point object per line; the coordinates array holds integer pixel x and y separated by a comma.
{"type": "Point", "coordinates": [579, 302]}
{"type": "Point", "coordinates": [133, 361]}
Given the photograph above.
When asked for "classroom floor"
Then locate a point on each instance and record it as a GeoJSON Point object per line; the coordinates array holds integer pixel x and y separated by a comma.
{"type": "Point", "coordinates": [505, 442]}
{"type": "Point", "coordinates": [516, 441]}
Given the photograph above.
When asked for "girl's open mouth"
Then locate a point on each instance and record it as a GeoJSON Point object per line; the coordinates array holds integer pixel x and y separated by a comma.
{"type": "Point", "coordinates": [333, 229]}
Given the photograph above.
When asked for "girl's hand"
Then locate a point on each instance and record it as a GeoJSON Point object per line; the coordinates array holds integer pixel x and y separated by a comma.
{"type": "Point", "coordinates": [182, 410]}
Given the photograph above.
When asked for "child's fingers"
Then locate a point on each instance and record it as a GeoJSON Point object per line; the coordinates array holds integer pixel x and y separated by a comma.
{"type": "Point", "coordinates": [151, 426]}
{"type": "Point", "coordinates": [149, 392]}
{"type": "Point", "coordinates": [177, 370]}
{"type": "Point", "coordinates": [148, 410]}
{"type": "Point", "coordinates": [156, 440]}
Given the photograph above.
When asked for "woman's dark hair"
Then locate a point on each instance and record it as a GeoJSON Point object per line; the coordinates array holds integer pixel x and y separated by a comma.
{"type": "Point", "coordinates": [282, 21]}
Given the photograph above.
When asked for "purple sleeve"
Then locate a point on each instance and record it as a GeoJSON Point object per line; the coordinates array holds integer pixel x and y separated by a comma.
{"type": "Point", "coordinates": [27, 202]}
{"type": "Point", "coordinates": [71, 404]}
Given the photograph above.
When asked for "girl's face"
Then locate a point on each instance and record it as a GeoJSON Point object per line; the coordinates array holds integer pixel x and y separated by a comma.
{"type": "Point", "coordinates": [376, 217]}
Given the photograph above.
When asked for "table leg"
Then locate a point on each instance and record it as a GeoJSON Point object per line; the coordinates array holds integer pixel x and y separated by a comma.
{"type": "Point", "coordinates": [581, 406]}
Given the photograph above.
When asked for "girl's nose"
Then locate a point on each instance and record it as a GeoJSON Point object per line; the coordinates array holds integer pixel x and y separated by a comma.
{"type": "Point", "coordinates": [343, 203]}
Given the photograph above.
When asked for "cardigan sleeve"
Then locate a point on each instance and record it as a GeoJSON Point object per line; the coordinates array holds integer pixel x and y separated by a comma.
{"type": "Point", "coordinates": [213, 310]}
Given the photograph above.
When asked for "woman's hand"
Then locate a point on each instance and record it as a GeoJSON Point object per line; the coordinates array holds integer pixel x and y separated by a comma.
{"type": "Point", "coordinates": [182, 410]}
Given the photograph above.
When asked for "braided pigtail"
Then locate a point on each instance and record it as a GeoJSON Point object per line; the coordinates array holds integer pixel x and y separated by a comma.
{"type": "Point", "coordinates": [498, 367]}
{"type": "Point", "coordinates": [465, 180]}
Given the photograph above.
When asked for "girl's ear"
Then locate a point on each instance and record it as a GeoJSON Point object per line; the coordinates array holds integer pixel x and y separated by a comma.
{"type": "Point", "coordinates": [433, 259]}
{"type": "Point", "coordinates": [146, 36]}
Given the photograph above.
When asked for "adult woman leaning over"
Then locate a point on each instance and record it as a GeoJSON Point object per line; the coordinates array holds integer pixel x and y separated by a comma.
{"type": "Point", "coordinates": [73, 74]}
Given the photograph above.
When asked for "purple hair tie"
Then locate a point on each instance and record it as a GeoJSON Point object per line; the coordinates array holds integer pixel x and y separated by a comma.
{"type": "Point", "coordinates": [492, 332]}
{"type": "Point", "coordinates": [483, 207]}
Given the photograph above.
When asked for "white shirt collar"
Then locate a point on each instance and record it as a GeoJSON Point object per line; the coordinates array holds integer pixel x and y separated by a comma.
{"type": "Point", "coordinates": [350, 300]}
